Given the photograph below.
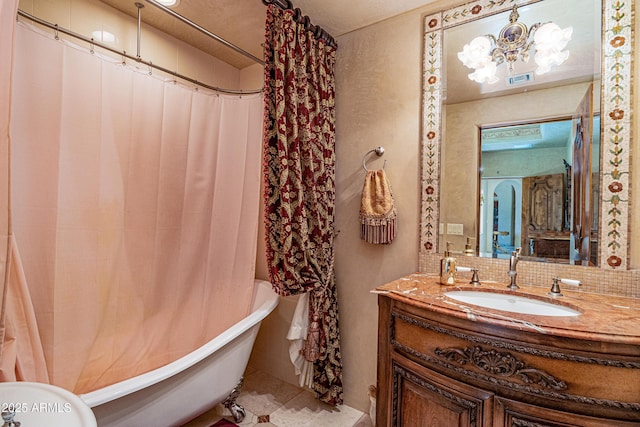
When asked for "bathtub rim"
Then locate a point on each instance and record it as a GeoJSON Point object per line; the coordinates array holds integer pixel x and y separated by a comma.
{"type": "Point", "coordinates": [262, 288]}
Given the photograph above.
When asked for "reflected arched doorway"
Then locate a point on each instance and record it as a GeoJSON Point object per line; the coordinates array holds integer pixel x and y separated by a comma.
{"type": "Point", "coordinates": [501, 216]}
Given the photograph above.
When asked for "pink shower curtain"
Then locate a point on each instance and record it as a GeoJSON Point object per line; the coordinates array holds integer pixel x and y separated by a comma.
{"type": "Point", "coordinates": [19, 358]}
{"type": "Point", "coordinates": [8, 9]}
{"type": "Point", "coordinates": [135, 209]}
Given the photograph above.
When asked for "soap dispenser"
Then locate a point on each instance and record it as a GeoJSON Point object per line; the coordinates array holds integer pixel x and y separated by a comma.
{"type": "Point", "coordinates": [468, 250]}
{"type": "Point", "coordinates": [448, 268]}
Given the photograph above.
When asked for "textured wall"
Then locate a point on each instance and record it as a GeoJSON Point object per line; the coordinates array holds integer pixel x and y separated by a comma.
{"type": "Point", "coordinates": [378, 104]}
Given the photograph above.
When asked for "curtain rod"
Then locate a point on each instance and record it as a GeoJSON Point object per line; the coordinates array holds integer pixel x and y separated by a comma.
{"type": "Point", "coordinates": [204, 31]}
{"type": "Point", "coordinates": [318, 31]}
{"type": "Point", "coordinates": [124, 54]}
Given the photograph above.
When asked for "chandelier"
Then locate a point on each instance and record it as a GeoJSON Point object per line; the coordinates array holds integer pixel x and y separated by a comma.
{"type": "Point", "coordinates": [515, 41]}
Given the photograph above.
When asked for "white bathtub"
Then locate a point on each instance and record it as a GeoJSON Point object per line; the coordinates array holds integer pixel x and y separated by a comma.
{"type": "Point", "coordinates": [180, 391]}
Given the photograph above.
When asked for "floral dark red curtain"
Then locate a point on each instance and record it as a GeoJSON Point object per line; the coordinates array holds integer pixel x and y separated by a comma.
{"type": "Point", "coordinates": [299, 171]}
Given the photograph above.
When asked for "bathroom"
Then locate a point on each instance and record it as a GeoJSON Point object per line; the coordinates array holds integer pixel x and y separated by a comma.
{"type": "Point", "coordinates": [378, 103]}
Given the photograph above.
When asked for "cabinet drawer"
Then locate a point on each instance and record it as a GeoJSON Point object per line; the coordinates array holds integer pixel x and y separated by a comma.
{"type": "Point", "coordinates": [509, 413]}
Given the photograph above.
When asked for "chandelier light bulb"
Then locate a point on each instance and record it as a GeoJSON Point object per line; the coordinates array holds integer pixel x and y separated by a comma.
{"type": "Point", "coordinates": [485, 53]}
{"type": "Point", "coordinates": [549, 41]}
{"type": "Point", "coordinates": [476, 53]}
{"type": "Point", "coordinates": [550, 36]}
{"type": "Point", "coordinates": [486, 73]}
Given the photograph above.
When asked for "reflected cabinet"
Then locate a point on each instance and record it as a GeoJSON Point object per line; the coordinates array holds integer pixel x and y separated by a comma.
{"type": "Point", "coordinates": [436, 370]}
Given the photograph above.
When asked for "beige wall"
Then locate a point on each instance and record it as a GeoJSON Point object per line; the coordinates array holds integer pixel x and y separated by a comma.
{"type": "Point", "coordinates": [378, 104]}
{"type": "Point", "coordinates": [538, 161]}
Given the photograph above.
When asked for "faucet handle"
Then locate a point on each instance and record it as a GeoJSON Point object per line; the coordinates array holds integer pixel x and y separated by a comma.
{"type": "Point", "coordinates": [474, 279]}
{"type": "Point", "coordinates": [570, 282]}
{"type": "Point", "coordinates": [555, 288]}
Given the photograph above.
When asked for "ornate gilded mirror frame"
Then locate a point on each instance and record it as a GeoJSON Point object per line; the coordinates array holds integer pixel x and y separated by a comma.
{"type": "Point", "coordinates": [617, 48]}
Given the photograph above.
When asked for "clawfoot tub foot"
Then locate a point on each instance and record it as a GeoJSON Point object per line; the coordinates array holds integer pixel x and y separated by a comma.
{"type": "Point", "coordinates": [230, 403]}
{"type": "Point", "coordinates": [237, 411]}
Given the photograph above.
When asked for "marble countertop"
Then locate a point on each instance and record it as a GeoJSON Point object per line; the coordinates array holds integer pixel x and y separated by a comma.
{"type": "Point", "coordinates": [605, 318]}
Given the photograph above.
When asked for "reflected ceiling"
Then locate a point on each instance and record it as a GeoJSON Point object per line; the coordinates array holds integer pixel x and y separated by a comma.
{"type": "Point", "coordinates": [550, 134]}
{"type": "Point", "coordinates": [529, 136]}
{"type": "Point", "coordinates": [582, 65]}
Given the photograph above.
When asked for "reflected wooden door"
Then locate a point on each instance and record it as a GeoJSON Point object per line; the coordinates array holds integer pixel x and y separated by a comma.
{"type": "Point", "coordinates": [542, 208]}
{"type": "Point", "coordinates": [581, 194]}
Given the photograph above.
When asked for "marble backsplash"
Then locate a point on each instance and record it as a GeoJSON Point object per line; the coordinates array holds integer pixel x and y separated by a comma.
{"type": "Point", "coordinates": [594, 280]}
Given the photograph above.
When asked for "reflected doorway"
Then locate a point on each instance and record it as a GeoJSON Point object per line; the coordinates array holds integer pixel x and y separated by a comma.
{"type": "Point", "coordinates": [501, 216]}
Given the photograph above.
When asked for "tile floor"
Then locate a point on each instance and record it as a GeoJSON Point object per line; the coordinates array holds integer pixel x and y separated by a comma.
{"type": "Point", "coordinates": [271, 402]}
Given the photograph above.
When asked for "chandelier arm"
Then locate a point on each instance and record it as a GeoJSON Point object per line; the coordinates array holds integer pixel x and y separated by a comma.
{"type": "Point", "coordinates": [498, 56]}
{"type": "Point", "coordinates": [491, 37]}
{"type": "Point", "coordinates": [524, 52]}
{"type": "Point", "coordinates": [534, 28]}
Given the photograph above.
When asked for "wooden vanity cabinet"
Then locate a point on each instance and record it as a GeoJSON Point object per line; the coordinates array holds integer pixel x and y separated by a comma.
{"type": "Point", "coordinates": [440, 370]}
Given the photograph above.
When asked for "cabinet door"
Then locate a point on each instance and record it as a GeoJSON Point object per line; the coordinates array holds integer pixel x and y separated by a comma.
{"type": "Point", "coordinates": [423, 398]}
{"type": "Point", "coordinates": [509, 413]}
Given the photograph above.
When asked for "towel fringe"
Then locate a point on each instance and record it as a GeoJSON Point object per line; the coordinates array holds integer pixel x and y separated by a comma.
{"type": "Point", "coordinates": [379, 231]}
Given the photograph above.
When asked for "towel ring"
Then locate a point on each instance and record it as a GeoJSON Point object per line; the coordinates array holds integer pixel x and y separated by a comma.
{"type": "Point", "coordinates": [379, 151]}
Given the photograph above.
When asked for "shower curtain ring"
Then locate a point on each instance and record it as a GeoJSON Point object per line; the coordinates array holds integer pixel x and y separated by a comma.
{"type": "Point", "coordinates": [55, 32]}
{"type": "Point", "coordinates": [91, 47]}
{"type": "Point", "coordinates": [150, 69]}
{"type": "Point", "coordinates": [124, 57]}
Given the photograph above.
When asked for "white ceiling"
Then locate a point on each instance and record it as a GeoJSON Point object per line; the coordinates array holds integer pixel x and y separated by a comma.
{"type": "Point", "coordinates": [339, 17]}
{"type": "Point", "coordinates": [241, 22]}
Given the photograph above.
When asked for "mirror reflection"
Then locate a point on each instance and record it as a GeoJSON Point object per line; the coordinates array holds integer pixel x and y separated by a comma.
{"type": "Point", "coordinates": [526, 188]}
{"type": "Point", "coordinates": [507, 139]}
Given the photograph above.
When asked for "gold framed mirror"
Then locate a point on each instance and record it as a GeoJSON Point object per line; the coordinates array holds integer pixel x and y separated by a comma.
{"type": "Point", "coordinates": [615, 112]}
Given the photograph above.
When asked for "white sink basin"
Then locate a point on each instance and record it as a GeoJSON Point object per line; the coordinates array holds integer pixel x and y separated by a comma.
{"type": "Point", "coordinates": [38, 404]}
{"type": "Point", "coordinates": [512, 303]}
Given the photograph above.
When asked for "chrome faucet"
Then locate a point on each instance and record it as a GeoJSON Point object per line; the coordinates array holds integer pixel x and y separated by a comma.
{"type": "Point", "coordinates": [513, 261]}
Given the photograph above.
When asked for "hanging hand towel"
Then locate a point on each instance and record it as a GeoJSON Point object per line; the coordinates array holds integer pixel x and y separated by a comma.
{"type": "Point", "coordinates": [377, 212]}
